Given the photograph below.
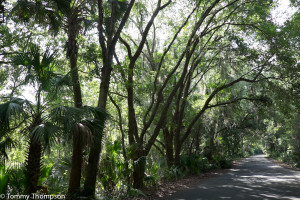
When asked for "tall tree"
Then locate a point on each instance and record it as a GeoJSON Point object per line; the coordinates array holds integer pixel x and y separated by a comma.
{"type": "Point", "coordinates": [202, 46]}
{"type": "Point", "coordinates": [39, 74]}
{"type": "Point", "coordinates": [110, 25]}
{"type": "Point", "coordinates": [69, 16]}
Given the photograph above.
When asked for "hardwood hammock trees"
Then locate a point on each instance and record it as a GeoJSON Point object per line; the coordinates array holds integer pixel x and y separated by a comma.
{"type": "Point", "coordinates": [200, 46]}
{"type": "Point", "coordinates": [161, 80]}
{"type": "Point", "coordinates": [111, 22]}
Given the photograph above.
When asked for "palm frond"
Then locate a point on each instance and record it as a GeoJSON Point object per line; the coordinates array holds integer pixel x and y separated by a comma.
{"type": "Point", "coordinates": [54, 21]}
{"type": "Point", "coordinates": [65, 116]}
{"type": "Point", "coordinates": [24, 10]}
{"type": "Point", "coordinates": [45, 172]}
{"type": "Point", "coordinates": [5, 144]}
{"type": "Point", "coordinates": [66, 112]}
{"type": "Point", "coordinates": [86, 122]}
{"type": "Point", "coordinates": [39, 66]}
{"type": "Point", "coordinates": [46, 133]}
{"type": "Point", "coordinates": [63, 5]}
{"type": "Point", "coordinates": [12, 113]}
{"type": "Point", "coordinates": [46, 13]}
{"type": "Point", "coordinates": [48, 59]}
{"type": "Point", "coordinates": [98, 113]}
{"type": "Point", "coordinates": [96, 122]}
{"type": "Point", "coordinates": [96, 127]}
{"type": "Point", "coordinates": [60, 82]}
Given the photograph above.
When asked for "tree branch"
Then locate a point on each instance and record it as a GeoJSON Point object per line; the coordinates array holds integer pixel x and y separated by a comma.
{"type": "Point", "coordinates": [122, 24]}
{"type": "Point", "coordinates": [120, 125]}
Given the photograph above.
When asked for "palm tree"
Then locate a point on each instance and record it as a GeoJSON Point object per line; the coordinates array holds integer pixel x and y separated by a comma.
{"type": "Point", "coordinates": [60, 121]}
{"type": "Point", "coordinates": [40, 75]}
{"type": "Point", "coordinates": [66, 15]}
{"type": "Point", "coordinates": [13, 107]}
{"type": "Point", "coordinates": [41, 121]}
{"type": "Point", "coordinates": [83, 125]}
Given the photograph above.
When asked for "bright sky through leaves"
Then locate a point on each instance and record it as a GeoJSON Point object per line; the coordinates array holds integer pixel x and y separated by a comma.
{"type": "Point", "coordinates": [280, 14]}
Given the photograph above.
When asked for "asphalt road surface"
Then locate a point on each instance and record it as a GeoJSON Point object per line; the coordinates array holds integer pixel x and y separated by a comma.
{"type": "Point", "coordinates": [253, 178]}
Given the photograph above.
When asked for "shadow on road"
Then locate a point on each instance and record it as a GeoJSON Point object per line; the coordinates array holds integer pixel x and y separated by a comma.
{"type": "Point", "coordinates": [253, 178]}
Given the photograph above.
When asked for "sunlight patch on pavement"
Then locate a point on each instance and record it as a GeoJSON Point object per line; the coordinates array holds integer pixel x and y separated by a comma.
{"type": "Point", "coordinates": [280, 197]}
{"type": "Point", "coordinates": [234, 186]}
{"type": "Point", "coordinates": [267, 180]}
{"type": "Point", "coordinates": [275, 166]}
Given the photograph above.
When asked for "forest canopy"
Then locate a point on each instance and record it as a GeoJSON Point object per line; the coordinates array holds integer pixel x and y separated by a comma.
{"type": "Point", "coordinates": [103, 98]}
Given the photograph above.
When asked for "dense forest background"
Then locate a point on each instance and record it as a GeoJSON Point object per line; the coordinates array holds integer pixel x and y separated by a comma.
{"type": "Point", "coordinates": [103, 98]}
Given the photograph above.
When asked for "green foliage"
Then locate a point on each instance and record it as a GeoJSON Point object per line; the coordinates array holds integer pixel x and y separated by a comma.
{"type": "Point", "coordinates": [224, 163]}
{"type": "Point", "coordinates": [12, 180]}
{"type": "Point", "coordinates": [113, 168]}
{"type": "Point", "coordinates": [236, 42]}
{"type": "Point", "coordinates": [136, 192]}
{"type": "Point", "coordinates": [173, 173]}
{"type": "Point", "coordinates": [45, 173]}
{"type": "Point", "coordinates": [39, 66]}
{"type": "Point", "coordinates": [46, 13]}
{"type": "Point", "coordinates": [57, 179]}
{"type": "Point", "coordinates": [5, 144]}
{"type": "Point", "coordinates": [131, 151]}
{"type": "Point", "coordinates": [295, 140]}
{"type": "Point", "coordinates": [85, 123]}
{"type": "Point", "coordinates": [4, 178]}
{"type": "Point", "coordinates": [12, 113]}
{"type": "Point", "coordinates": [194, 164]}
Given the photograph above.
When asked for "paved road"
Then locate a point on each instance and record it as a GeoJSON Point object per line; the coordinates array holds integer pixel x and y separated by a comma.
{"type": "Point", "coordinates": [254, 178]}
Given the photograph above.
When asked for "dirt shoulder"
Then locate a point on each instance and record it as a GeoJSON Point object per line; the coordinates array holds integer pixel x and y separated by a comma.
{"type": "Point", "coordinates": [282, 164]}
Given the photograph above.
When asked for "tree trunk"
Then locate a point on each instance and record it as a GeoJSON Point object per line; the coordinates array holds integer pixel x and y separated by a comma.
{"type": "Point", "coordinates": [197, 142]}
{"type": "Point", "coordinates": [33, 165]}
{"type": "Point", "coordinates": [72, 51]}
{"type": "Point", "coordinates": [139, 166]}
{"type": "Point", "coordinates": [92, 170]}
{"type": "Point", "coordinates": [177, 154]}
{"type": "Point", "coordinates": [74, 182]}
{"type": "Point", "coordinates": [94, 156]}
{"type": "Point", "coordinates": [211, 148]}
{"type": "Point", "coordinates": [108, 49]}
{"type": "Point", "coordinates": [168, 138]}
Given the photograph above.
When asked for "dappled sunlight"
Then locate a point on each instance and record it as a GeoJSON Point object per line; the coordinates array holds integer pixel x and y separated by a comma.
{"type": "Point", "coordinates": [275, 167]}
{"type": "Point", "coordinates": [254, 178]}
{"type": "Point", "coordinates": [143, 99]}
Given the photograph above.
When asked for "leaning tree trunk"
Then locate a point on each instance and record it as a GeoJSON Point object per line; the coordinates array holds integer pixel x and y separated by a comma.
{"type": "Point", "coordinates": [95, 150]}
